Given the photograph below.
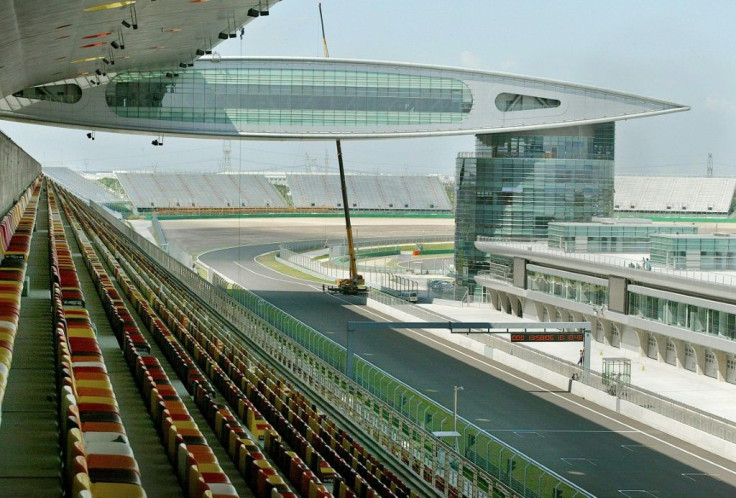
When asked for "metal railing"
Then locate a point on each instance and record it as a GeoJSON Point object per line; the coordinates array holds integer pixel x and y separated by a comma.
{"type": "Point", "coordinates": [159, 233]}
{"type": "Point", "coordinates": [622, 261]}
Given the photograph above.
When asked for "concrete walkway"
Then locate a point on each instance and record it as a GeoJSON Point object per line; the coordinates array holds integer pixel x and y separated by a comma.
{"type": "Point", "coordinates": [704, 393]}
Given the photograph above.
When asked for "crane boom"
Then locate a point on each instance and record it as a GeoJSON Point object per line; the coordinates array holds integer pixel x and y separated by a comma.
{"type": "Point", "coordinates": [355, 284]}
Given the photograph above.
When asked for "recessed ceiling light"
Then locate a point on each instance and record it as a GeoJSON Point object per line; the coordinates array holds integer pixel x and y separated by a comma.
{"type": "Point", "coordinates": [63, 26]}
{"type": "Point", "coordinates": [86, 59]}
{"type": "Point", "coordinates": [90, 45]}
{"type": "Point", "coordinates": [62, 37]}
{"type": "Point", "coordinates": [112, 5]}
{"type": "Point", "coordinates": [98, 35]}
{"type": "Point", "coordinates": [170, 30]}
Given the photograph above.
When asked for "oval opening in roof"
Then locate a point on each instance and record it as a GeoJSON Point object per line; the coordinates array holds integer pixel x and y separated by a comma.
{"type": "Point", "coordinates": [511, 102]}
{"type": "Point", "coordinates": [64, 94]}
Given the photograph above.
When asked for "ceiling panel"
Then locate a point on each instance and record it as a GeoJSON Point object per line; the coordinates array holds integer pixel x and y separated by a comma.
{"type": "Point", "coordinates": [50, 40]}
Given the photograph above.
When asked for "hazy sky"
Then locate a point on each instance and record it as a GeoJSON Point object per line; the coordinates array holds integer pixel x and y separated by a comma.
{"type": "Point", "coordinates": [679, 51]}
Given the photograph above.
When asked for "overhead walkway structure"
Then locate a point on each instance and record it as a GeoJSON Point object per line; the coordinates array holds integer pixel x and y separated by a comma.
{"type": "Point", "coordinates": [315, 99]}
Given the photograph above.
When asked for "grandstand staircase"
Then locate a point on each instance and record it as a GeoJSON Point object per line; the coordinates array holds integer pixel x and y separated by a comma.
{"type": "Point", "coordinates": [29, 406]}
{"type": "Point", "coordinates": [130, 185]}
{"type": "Point", "coordinates": [161, 193]}
{"type": "Point", "coordinates": [214, 191]}
{"type": "Point", "coordinates": [186, 189]}
{"type": "Point", "coordinates": [407, 189]}
{"type": "Point", "coordinates": [381, 194]}
{"type": "Point", "coordinates": [326, 189]}
{"type": "Point", "coordinates": [240, 202]}
{"type": "Point", "coordinates": [264, 191]}
{"type": "Point", "coordinates": [438, 194]}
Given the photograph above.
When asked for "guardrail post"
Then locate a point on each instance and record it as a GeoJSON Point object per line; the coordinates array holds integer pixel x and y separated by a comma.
{"type": "Point", "coordinates": [586, 354]}
{"type": "Point", "coordinates": [349, 351]}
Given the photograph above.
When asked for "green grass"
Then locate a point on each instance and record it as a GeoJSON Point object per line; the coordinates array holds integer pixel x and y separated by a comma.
{"type": "Point", "coordinates": [269, 260]}
{"type": "Point", "coordinates": [439, 246]}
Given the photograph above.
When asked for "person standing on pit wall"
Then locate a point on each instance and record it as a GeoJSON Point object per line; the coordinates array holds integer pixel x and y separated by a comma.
{"type": "Point", "coordinates": [582, 354]}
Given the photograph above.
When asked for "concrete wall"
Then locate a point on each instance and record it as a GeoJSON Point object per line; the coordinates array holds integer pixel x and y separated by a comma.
{"type": "Point", "coordinates": [17, 171]}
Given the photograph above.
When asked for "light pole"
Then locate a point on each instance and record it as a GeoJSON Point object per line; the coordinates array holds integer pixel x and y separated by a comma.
{"type": "Point", "coordinates": [455, 390]}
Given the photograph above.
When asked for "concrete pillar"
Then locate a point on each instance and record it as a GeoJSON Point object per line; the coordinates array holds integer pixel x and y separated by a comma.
{"type": "Point", "coordinates": [539, 308]}
{"type": "Point", "coordinates": [507, 304]}
{"type": "Point", "coordinates": [680, 347]}
{"type": "Point", "coordinates": [604, 334]}
{"type": "Point", "coordinates": [520, 307]}
{"type": "Point", "coordinates": [722, 362]}
{"type": "Point", "coordinates": [502, 301]}
{"type": "Point", "coordinates": [616, 341]}
{"type": "Point", "coordinates": [661, 347]}
{"type": "Point", "coordinates": [643, 340]}
{"type": "Point", "coordinates": [699, 359]}
{"type": "Point", "coordinates": [494, 298]}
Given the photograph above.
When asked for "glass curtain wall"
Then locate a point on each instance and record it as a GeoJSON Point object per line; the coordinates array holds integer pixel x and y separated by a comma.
{"type": "Point", "coordinates": [515, 184]}
{"type": "Point", "coordinates": [280, 96]}
{"type": "Point", "coordinates": [601, 237]}
{"type": "Point", "coordinates": [683, 315]}
{"type": "Point", "coordinates": [566, 288]}
{"type": "Point", "coordinates": [695, 253]}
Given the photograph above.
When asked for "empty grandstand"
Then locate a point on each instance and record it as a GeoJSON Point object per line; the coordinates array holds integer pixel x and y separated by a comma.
{"type": "Point", "coordinates": [369, 192]}
{"type": "Point", "coordinates": [82, 187]}
{"type": "Point", "coordinates": [200, 192]}
{"type": "Point", "coordinates": [209, 193]}
{"type": "Point", "coordinates": [671, 195]}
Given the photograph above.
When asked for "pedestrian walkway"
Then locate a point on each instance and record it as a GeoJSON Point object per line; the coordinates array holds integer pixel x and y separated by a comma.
{"type": "Point", "coordinates": [698, 391]}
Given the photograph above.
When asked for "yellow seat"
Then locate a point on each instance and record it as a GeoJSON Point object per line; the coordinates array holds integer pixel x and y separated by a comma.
{"type": "Point", "coordinates": [102, 400]}
{"type": "Point", "coordinates": [185, 424]}
{"type": "Point", "coordinates": [117, 490]}
{"type": "Point", "coordinates": [6, 356]}
{"type": "Point", "coordinates": [101, 384]}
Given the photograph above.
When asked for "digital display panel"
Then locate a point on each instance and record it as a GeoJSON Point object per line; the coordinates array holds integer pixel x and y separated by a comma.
{"type": "Point", "coordinates": [546, 337]}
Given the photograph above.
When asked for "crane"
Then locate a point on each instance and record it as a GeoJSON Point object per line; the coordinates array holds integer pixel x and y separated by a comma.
{"type": "Point", "coordinates": [355, 283]}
